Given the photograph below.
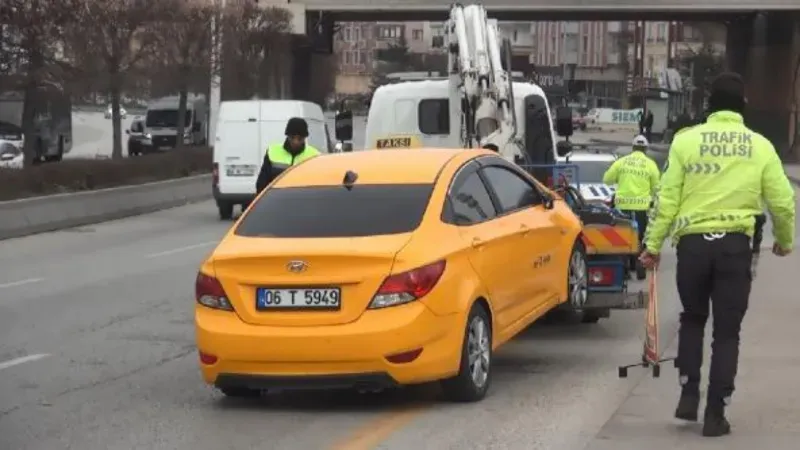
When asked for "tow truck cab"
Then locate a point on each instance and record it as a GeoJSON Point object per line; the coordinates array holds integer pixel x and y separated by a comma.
{"type": "Point", "coordinates": [428, 113]}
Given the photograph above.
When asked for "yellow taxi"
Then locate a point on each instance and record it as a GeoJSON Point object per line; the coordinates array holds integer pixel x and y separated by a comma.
{"type": "Point", "coordinates": [370, 270]}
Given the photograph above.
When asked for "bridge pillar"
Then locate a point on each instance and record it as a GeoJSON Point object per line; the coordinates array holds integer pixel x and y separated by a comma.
{"type": "Point", "coordinates": [765, 49]}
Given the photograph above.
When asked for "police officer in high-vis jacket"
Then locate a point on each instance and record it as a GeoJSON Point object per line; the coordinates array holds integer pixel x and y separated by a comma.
{"type": "Point", "coordinates": [281, 156]}
{"type": "Point", "coordinates": [710, 195]}
{"type": "Point", "coordinates": [636, 176]}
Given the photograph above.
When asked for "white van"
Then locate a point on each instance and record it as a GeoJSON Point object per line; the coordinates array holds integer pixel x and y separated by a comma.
{"type": "Point", "coordinates": [245, 129]}
{"type": "Point", "coordinates": [161, 123]}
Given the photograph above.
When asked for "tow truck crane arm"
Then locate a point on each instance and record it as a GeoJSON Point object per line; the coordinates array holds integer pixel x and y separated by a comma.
{"type": "Point", "coordinates": [483, 84]}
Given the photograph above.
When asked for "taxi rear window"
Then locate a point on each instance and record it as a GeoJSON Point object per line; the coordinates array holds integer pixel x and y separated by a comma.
{"type": "Point", "coordinates": [334, 211]}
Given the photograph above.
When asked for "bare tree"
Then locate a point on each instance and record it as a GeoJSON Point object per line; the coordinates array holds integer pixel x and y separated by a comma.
{"type": "Point", "coordinates": [185, 51]}
{"type": "Point", "coordinates": [256, 47]}
{"type": "Point", "coordinates": [32, 35]}
{"type": "Point", "coordinates": [115, 36]}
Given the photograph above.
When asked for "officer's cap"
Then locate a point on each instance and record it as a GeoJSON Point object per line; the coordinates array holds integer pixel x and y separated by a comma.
{"type": "Point", "coordinates": [640, 141]}
{"type": "Point", "coordinates": [728, 84]}
{"type": "Point", "coordinates": [297, 126]}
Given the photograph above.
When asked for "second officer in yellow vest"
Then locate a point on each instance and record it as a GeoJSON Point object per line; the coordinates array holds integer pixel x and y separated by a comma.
{"type": "Point", "coordinates": [281, 156]}
{"type": "Point", "coordinates": [636, 176]}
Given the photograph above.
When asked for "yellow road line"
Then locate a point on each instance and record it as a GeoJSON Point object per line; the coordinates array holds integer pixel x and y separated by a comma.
{"type": "Point", "coordinates": [372, 433]}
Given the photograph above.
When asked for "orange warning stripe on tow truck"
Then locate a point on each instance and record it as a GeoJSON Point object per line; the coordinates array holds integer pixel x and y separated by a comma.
{"type": "Point", "coordinates": [609, 239]}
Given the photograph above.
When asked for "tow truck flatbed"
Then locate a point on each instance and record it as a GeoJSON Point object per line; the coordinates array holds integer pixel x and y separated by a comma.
{"type": "Point", "coordinates": [609, 238]}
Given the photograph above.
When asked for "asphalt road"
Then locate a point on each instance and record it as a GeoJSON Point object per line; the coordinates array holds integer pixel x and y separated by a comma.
{"type": "Point", "coordinates": [97, 352]}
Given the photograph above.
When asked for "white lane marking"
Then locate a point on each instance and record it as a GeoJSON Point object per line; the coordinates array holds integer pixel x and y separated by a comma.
{"type": "Point", "coordinates": [23, 360]}
{"type": "Point", "coordinates": [181, 249]}
{"type": "Point", "coordinates": [20, 282]}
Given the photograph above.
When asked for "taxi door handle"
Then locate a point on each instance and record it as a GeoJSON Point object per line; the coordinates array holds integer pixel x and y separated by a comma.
{"type": "Point", "coordinates": [524, 228]}
{"type": "Point", "coordinates": [477, 242]}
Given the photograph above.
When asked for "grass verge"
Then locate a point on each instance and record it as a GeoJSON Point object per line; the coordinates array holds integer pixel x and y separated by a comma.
{"type": "Point", "coordinates": [76, 175]}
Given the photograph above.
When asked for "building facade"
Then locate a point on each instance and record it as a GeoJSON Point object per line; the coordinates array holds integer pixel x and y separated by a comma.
{"type": "Point", "coordinates": [663, 43]}
{"type": "Point", "coordinates": [583, 63]}
{"type": "Point", "coordinates": [355, 45]}
{"type": "Point", "coordinates": [588, 63]}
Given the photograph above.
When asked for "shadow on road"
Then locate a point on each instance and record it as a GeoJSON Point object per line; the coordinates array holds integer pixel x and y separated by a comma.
{"type": "Point", "coordinates": [338, 400]}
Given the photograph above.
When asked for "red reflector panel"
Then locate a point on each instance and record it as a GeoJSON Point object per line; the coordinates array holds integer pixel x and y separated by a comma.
{"type": "Point", "coordinates": [601, 276]}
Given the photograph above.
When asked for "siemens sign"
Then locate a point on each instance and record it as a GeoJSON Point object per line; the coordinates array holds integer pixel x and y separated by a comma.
{"type": "Point", "coordinates": [615, 116]}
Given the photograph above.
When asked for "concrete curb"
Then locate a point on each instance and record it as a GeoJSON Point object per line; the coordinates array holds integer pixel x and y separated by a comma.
{"type": "Point", "coordinates": [55, 212]}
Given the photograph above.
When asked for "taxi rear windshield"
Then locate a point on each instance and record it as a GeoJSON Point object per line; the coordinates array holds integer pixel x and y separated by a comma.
{"type": "Point", "coordinates": [335, 211]}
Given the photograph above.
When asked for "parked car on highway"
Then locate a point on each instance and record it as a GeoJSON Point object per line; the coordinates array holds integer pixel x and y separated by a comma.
{"type": "Point", "coordinates": [135, 137]}
{"type": "Point", "coordinates": [51, 133]}
{"type": "Point", "coordinates": [372, 269]}
{"type": "Point", "coordinates": [11, 156]}
{"type": "Point", "coordinates": [591, 166]}
{"type": "Point", "coordinates": [122, 112]}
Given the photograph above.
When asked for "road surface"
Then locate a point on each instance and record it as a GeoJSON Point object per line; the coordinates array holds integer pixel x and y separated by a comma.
{"type": "Point", "coordinates": [97, 352]}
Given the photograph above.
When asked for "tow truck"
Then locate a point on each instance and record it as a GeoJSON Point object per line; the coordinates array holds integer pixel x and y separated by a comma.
{"type": "Point", "coordinates": [480, 104]}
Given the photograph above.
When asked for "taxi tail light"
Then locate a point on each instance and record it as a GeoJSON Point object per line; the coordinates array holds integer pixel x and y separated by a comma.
{"type": "Point", "coordinates": [209, 293]}
{"type": "Point", "coordinates": [408, 286]}
{"type": "Point", "coordinates": [601, 276]}
{"type": "Point", "coordinates": [215, 174]}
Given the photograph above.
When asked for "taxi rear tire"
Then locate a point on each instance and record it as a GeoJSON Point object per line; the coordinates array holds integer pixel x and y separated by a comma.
{"type": "Point", "coordinates": [475, 367]}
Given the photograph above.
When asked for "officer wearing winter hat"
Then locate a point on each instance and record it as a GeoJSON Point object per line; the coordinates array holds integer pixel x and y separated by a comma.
{"type": "Point", "coordinates": [709, 201]}
{"type": "Point", "coordinates": [280, 156]}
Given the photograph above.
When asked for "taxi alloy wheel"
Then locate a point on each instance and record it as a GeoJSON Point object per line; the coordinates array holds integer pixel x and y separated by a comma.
{"type": "Point", "coordinates": [578, 278]}
{"type": "Point", "coordinates": [478, 351]}
{"type": "Point", "coordinates": [475, 370]}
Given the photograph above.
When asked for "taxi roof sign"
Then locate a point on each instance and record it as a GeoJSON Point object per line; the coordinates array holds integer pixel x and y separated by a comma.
{"type": "Point", "coordinates": [397, 142]}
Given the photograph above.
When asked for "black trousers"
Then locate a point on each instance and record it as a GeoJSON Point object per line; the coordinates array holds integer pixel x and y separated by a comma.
{"type": "Point", "coordinates": [712, 274]}
{"type": "Point", "coordinates": [642, 219]}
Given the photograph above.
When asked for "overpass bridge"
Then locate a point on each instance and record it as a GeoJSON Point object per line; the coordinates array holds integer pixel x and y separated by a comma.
{"type": "Point", "coordinates": [763, 40]}
{"type": "Point", "coordinates": [525, 10]}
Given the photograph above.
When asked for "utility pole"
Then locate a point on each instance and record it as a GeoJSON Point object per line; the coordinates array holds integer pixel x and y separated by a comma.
{"type": "Point", "coordinates": [216, 75]}
{"type": "Point", "coordinates": [567, 66]}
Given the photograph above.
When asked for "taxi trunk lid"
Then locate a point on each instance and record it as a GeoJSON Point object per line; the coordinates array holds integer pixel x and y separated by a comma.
{"type": "Point", "coordinates": [355, 265]}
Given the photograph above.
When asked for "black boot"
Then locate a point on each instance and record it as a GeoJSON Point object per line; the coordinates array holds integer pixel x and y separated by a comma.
{"type": "Point", "coordinates": [714, 423]}
{"type": "Point", "coordinates": [688, 406]}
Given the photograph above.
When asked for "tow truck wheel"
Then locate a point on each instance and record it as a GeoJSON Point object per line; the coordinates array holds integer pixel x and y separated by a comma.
{"type": "Point", "coordinates": [225, 210]}
{"type": "Point", "coordinates": [641, 272]}
{"type": "Point", "coordinates": [475, 369]}
{"type": "Point", "coordinates": [577, 278]}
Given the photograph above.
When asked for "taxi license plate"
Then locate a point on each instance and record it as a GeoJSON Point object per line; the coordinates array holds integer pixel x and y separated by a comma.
{"type": "Point", "coordinates": [270, 299]}
{"type": "Point", "coordinates": [164, 148]}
